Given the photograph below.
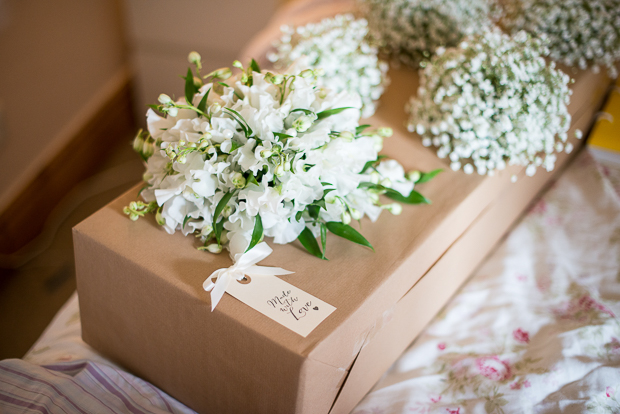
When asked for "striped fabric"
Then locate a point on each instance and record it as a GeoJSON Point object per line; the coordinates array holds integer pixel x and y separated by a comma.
{"type": "Point", "coordinates": [78, 387]}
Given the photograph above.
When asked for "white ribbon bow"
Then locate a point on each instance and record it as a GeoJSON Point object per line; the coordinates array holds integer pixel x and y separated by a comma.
{"type": "Point", "coordinates": [244, 265]}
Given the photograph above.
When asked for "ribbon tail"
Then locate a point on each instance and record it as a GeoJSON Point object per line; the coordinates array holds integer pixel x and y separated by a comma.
{"type": "Point", "coordinates": [218, 290]}
{"type": "Point", "coordinates": [266, 271]}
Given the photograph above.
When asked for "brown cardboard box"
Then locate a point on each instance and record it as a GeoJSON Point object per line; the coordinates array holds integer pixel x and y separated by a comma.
{"type": "Point", "coordinates": [142, 302]}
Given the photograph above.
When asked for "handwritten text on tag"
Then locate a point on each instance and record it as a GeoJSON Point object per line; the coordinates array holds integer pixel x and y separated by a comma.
{"type": "Point", "coordinates": [284, 303]}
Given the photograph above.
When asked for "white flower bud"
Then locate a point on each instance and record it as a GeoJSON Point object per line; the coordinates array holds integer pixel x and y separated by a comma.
{"type": "Point", "coordinates": [182, 159]}
{"type": "Point", "coordinates": [206, 230]}
{"type": "Point", "coordinates": [138, 143]}
{"type": "Point", "coordinates": [194, 57]}
{"type": "Point", "coordinates": [394, 208]}
{"type": "Point", "coordinates": [215, 108]}
{"type": "Point", "coordinates": [355, 214]}
{"type": "Point", "coordinates": [414, 176]}
{"type": "Point", "coordinates": [303, 123]}
{"type": "Point", "coordinates": [148, 149]}
{"type": "Point", "coordinates": [237, 64]}
{"type": "Point", "coordinates": [306, 73]}
{"type": "Point", "coordinates": [173, 111]}
{"type": "Point", "coordinates": [164, 99]}
{"type": "Point", "coordinates": [238, 180]}
{"type": "Point", "coordinates": [578, 134]}
{"type": "Point", "coordinates": [345, 218]}
{"type": "Point", "coordinates": [322, 93]}
{"type": "Point", "coordinates": [386, 182]}
{"type": "Point", "coordinates": [279, 170]}
{"type": "Point", "coordinates": [214, 248]}
{"type": "Point", "coordinates": [159, 218]}
{"type": "Point", "coordinates": [375, 177]}
{"type": "Point", "coordinates": [385, 132]}
{"type": "Point", "coordinates": [227, 211]}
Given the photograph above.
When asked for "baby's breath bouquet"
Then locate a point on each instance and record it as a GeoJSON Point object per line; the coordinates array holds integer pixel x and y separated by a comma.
{"type": "Point", "coordinates": [340, 48]}
{"type": "Point", "coordinates": [580, 32]}
{"type": "Point", "coordinates": [493, 101]}
{"type": "Point", "coordinates": [264, 154]}
{"type": "Point", "coordinates": [413, 29]}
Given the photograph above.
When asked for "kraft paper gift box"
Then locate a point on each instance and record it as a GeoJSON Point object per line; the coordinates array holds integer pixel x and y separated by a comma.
{"type": "Point", "coordinates": [142, 303]}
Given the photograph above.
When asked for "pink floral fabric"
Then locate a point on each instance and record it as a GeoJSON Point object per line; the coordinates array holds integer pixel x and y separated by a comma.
{"type": "Point", "coordinates": [536, 329]}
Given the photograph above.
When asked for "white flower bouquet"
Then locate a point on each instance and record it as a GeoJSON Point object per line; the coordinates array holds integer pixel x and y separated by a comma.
{"type": "Point", "coordinates": [413, 29]}
{"type": "Point", "coordinates": [265, 154]}
{"type": "Point", "coordinates": [338, 46]}
{"type": "Point", "coordinates": [493, 101]}
{"type": "Point", "coordinates": [580, 32]}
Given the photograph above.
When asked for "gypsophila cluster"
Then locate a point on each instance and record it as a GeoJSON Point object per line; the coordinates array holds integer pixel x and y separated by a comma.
{"type": "Point", "coordinates": [493, 101]}
{"type": "Point", "coordinates": [413, 29]}
{"type": "Point", "coordinates": [580, 32]}
{"type": "Point", "coordinates": [263, 154]}
{"type": "Point", "coordinates": [339, 47]}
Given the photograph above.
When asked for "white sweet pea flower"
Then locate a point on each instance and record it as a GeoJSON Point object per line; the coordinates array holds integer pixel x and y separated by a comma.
{"type": "Point", "coordinates": [271, 154]}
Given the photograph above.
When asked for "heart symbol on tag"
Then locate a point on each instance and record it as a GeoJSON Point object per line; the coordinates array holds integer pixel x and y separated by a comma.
{"type": "Point", "coordinates": [316, 308]}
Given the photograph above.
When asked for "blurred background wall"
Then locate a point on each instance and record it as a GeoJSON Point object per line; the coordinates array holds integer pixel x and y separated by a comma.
{"type": "Point", "coordinates": [161, 34]}
{"type": "Point", "coordinates": [57, 61]}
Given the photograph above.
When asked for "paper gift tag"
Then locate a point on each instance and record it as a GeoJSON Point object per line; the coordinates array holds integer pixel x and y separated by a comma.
{"type": "Point", "coordinates": [284, 303]}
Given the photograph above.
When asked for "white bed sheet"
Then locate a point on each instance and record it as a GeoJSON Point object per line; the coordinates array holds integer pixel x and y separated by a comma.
{"type": "Point", "coordinates": [534, 330]}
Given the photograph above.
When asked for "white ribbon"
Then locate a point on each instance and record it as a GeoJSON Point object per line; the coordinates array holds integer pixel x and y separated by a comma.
{"type": "Point", "coordinates": [244, 265]}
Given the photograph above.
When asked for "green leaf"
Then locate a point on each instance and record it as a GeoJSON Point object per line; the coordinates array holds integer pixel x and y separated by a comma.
{"type": "Point", "coordinates": [305, 111]}
{"type": "Point", "coordinates": [142, 189]}
{"type": "Point", "coordinates": [298, 215]}
{"type": "Point", "coordinates": [202, 106]}
{"type": "Point", "coordinates": [254, 66]}
{"type": "Point", "coordinates": [347, 232]}
{"type": "Point", "coordinates": [185, 220]}
{"type": "Point", "coordinates": [281, 135]}
{"type": "Point", "coordinates": [237, 117]}
{"type": "Point", "coordinates": [234, 145]}
{"type": "Point", "coordinates": [218, 210]}
{"type": "Point", "coordinates": [428, 176]}
{"type": "Point", "coordinates": [361, 129]}
{"type": "Point", "coordinates": [320, 203]}
{"type": "Point", "coordinates": [154, 107]}
{"type": "Point", "coordinates": [330, 112]}
{"type": "Point", "coordinates": [257, 234]}
{"type": "Point", "coordinates": [306, 238]}
{"type": "Point", "coordinates": [224, 84]}
{"type": "Point", "coordinates": [323, 238]}
{"type": "Point", "coordinates": [313, 211]}
{"type": "Point", "coordinates": [252, 180]}
{"type": "Point", "coordinates": [413, 198]}
{"type": "Point", "coordinates": [373, 163]}
{"type": "Point", "coordinates": [190, 88]}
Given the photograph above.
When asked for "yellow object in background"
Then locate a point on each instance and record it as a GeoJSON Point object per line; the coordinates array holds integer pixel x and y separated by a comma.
{"type": "Point", "coordinates": [604, 141]}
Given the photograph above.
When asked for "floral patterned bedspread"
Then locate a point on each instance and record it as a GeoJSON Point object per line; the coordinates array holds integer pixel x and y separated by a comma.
{"type": "Point", "coordinates": [534, 331]}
